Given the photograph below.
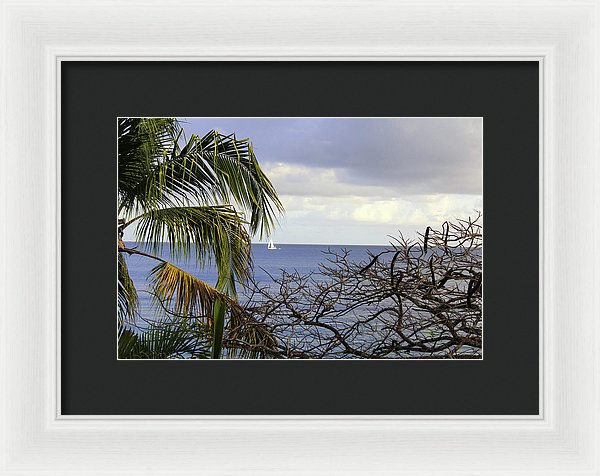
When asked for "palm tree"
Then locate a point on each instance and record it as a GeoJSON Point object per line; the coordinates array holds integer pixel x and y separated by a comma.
{"type": "Point", "coordinates": [203, 197]}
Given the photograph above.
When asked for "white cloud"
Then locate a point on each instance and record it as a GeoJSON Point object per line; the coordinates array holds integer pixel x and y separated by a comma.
{"type": "Point", "coordinates": [365, 219]}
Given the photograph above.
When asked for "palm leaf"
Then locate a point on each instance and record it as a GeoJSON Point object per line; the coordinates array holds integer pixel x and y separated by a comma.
{"type": "Point", "coordinates": [192, 297]}
{"type": "Point", "coordinates": [240, 178]}
{"type": "Point", "coordinates": [162, 340]}
{"type": "Point", "coordinates": [209, 170]}
{"type": "Point", "coordinates": [210, 232]}
{"type": "Point", "coordinates": [141, 143]}
{"type": "Point", "coordinates": [188, 296]}
{"type": "Point", "coordinates": [127, 296]}
{"type": "Point", "coordinates": [129, 345]}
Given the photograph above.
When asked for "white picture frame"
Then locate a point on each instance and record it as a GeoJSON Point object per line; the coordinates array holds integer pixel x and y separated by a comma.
{"type": "Point", "coordinates": [562, 35]}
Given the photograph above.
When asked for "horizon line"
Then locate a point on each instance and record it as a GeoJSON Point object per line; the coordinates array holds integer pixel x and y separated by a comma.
{"type": "Point", "coordinates": [319, 244]}
{"type": "Point", "coordinates": [281, 243]}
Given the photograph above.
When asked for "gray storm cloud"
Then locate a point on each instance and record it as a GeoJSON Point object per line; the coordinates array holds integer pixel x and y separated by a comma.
{"type": "Point", "coordinates": [412, 155]}
{"type": "Point", "coordinates": [356, 180]}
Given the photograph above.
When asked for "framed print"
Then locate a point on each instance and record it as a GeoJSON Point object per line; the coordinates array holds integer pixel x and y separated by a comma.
{"type": "Point", "coordinates": [85, 84]}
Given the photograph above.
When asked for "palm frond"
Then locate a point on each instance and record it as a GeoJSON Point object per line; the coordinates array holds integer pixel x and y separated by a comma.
{"type": "Point", "coordinates": [210, 232]}
{"type": "Point", "coordinates": [142, 142]}
{"type": "Point", "coordinates": [209, 170]}
{"type": "Point", "coordinates": [162, 340]}
{"type": "Point", "coordinates": [239, 177]}
{"type": "Point", "coordinates": [187, 295]}
{"type": "Point", "coordinates": [127, 296]}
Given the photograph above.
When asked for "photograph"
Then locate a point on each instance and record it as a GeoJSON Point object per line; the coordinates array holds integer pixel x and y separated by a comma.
{"type": "Point", "coordinates": [304, 238]}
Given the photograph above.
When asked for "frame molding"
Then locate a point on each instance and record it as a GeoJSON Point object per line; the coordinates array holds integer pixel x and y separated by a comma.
{"type": "Point", "coordinates": [37, 36]}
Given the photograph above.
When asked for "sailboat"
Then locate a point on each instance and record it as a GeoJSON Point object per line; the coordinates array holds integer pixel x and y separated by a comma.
{"type": "Point", "coordinates": [271, 245]}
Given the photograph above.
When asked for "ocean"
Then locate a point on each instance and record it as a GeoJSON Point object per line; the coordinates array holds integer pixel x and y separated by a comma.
{"type": "Point", "coordinates": [357, 323]}
{"type": "Point", "coordinates": [297, 257]}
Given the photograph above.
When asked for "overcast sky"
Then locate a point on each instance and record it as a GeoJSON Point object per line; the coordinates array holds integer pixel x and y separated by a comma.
{"type": "Point", "coordinates": [356, 181]}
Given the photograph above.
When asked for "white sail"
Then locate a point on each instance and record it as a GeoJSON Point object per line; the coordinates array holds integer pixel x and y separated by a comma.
{"type": "Point", "coordinates": [271, 245]}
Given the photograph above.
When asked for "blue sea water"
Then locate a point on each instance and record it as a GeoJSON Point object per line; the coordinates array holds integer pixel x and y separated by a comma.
{"type": "Point", "coordinates": [297, 257]}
